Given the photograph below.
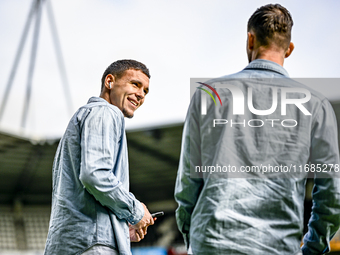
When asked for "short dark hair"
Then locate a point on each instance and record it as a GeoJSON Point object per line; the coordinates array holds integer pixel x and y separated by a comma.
{"type": "Point", "coordinates": [272, 24]}
{"type": "Point", "coordinates": [118, 68]}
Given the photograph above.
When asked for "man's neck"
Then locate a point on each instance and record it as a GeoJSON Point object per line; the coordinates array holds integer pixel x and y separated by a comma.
{"type": "Point", "coordinates": [269, 54]}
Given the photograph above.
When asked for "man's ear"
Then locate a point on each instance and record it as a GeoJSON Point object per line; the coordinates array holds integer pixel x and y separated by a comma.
{"type": "Point", "coordinates": [290, 49]}
{"type": "Point", "coordinates": [250, 41]}
{"type": "Point", "coordinates": [109, 81]}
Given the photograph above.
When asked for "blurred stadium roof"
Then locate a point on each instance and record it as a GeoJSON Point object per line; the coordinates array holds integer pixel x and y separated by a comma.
{"type": "Point", "coordinates": [26, 167]}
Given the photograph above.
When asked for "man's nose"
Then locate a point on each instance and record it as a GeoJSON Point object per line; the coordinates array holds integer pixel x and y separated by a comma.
{"type": "Point", "coordinates": [140, 94]}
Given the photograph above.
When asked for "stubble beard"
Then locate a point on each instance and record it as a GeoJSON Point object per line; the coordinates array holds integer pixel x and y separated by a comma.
{"type": "Point", "coordinates": [127, 115]}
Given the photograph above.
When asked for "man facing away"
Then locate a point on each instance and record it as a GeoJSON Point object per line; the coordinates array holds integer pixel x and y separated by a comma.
{"type": "Point", "coordinates": [93, 211]}
{"type": "Point", "coordinates": [229, 213]}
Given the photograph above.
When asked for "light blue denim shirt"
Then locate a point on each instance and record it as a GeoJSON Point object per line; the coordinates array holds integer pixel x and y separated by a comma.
{"type": "Point", "coordinates": [221, 214]}
{"type": "Point", "coordinates": [91, 203]}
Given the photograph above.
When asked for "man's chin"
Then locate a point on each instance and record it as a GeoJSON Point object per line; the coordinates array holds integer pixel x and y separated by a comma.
{"type": "Point", "coordinates": [127, 114]}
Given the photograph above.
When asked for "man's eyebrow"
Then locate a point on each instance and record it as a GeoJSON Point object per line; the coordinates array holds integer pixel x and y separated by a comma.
{"type": "Point", "coordinates": [136, 81]}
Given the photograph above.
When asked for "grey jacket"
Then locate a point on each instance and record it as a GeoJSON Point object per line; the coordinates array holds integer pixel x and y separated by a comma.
{"type": "Point", "coordinates": [91, 202]}
{"type": "Point", "coordinates": [243, 166]}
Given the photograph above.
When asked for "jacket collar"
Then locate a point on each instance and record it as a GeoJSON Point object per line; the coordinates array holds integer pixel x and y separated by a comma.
{"type": "Point", "coordinates": [96, 99]}
{"type": "Point", "coordinates": [262, 64]}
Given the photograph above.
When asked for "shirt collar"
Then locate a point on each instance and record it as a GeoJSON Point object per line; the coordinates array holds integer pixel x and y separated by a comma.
{"type": "Point", "coordinates": [267, 65]}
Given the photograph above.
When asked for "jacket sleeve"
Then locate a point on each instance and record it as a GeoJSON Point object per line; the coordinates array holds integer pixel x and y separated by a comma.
{"type": "Point", "coordinates": [325, 216]}
{"type": "Point", "coordinates": [188, 186]}
{"type": "Point", "coordinates": [102, 141]}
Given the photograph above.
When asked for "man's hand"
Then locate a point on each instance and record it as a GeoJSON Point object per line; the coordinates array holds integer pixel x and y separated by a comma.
{"type": "Point", "coordinates": [134, 236]}
{"type": "Point", "coordinates": [141, 227]}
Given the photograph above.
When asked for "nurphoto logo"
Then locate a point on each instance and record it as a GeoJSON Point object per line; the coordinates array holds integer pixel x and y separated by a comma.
{"type": "Point", "coordinates": [244, 103]}
{"type": "Point", "coordinates": [238, 99]}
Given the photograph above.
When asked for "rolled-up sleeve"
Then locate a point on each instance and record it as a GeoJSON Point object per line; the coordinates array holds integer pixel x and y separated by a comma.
{"type": "Point", "coordinates": [325, 217]}
{"type": "Point", "coordinates": [101, 152]}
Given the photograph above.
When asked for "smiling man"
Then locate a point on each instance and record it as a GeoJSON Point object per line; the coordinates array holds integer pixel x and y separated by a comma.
{"type": "Point", "coordinates": [93, 211]}
{"type": "Point", "coordinates": [126, 98]}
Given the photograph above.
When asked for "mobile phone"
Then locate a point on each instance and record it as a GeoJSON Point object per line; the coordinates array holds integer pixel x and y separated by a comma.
{"type": "Point", "coordinates": [157, 214]}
